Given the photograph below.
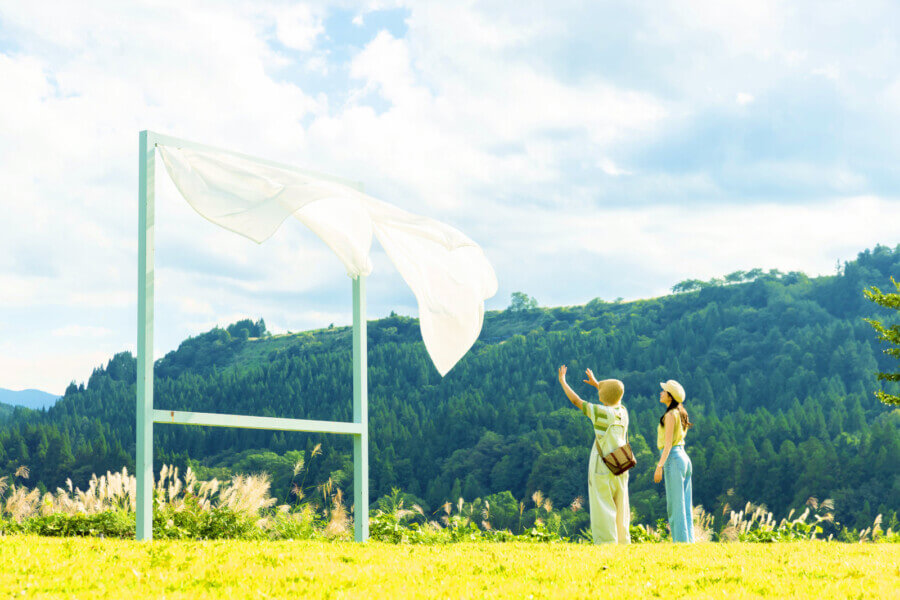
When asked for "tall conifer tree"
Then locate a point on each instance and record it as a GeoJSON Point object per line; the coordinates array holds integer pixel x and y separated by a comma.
{"type": "Point", "coordinates": [887, 333]}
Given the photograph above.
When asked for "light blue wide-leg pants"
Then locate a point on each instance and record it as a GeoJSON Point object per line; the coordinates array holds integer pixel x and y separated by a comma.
{"type": "Point", "coordinates": [679, 501]}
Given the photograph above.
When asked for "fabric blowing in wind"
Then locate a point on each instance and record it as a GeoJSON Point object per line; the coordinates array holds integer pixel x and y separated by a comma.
{"type": "Point", "coordinates": [447, 272]}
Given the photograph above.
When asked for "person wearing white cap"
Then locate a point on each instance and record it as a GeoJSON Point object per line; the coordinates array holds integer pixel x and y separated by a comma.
{"type": "Point", "coordinates": [675, 462]}
{"type": "Point", "coordinates": [608, 493]}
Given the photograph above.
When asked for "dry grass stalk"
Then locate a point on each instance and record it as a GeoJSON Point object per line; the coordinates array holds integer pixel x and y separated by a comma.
{"type": "Point", "coordinates": [21, 503]}
{"type": "Point", "coordinates": [247, 494]}
{"type": "Point", "coordinates": [756, 517]}
{"type": "Point", "coordinates": [297, 492]}
{"type": "Point", "coordinates": [339, 521]}
{"type": "Point", "coordinates": [703, 524]}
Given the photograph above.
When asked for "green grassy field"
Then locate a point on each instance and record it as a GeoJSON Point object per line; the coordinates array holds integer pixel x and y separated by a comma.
{"type": "Point", "coordinates": [102, 568]}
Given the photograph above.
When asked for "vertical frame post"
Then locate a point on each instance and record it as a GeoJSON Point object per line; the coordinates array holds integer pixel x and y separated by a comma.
{"type": "Point", "coordinates": [143, 471]}
{"type": "Point", "coordinates": [360, 413]}
{"type": "Point", "coordinates": [145, 414]}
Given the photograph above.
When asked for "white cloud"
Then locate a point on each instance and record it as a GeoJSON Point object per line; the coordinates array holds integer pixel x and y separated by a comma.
{"type": "Point", "coordinates": [297, 27]}
{"type": "Point", "coordinates": [190, 305]}
{"type": "Point", "coordinates": [445, 122]}
{"type": "Point", "coordinates": [610, 168]}
{"type": "Point", "coordinates": [832, 72]}
{"type": "Point", "coordinates": [753, 26]}
{"type": "Point", "coordinates": [81, 331]}
{"type": "Point", "coordinates": [713, 240]}
{"type": "Point", "coordinates": [498, 121]}
{"type": "Point", "coordinates": [642, 252]}
{"type": "Point", "coordinates": [50, 371]}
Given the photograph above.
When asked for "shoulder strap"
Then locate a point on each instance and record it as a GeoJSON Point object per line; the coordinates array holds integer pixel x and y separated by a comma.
{"type": "Point", "coordinates": [615, 422]}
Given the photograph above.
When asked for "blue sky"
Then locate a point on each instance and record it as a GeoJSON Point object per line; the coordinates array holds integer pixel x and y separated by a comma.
{"type": "Point", "coordinates": [593, 149]}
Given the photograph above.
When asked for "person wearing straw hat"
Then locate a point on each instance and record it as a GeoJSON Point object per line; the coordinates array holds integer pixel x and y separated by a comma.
{"type": "Point", "coordinates": [608, 493]}
{"type": "Point", "coordinates": [675, 463]}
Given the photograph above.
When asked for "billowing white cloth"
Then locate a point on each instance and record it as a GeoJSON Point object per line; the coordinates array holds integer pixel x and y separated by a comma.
{"type": "Point", "coordinates": [448, 273]}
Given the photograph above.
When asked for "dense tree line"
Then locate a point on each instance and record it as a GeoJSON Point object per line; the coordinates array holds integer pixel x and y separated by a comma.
{"type": "Point", "coordinates": [779, 371]}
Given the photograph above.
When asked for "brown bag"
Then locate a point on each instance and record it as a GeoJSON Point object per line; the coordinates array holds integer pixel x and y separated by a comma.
{"type": "Point", "coordinates": [619, 460]}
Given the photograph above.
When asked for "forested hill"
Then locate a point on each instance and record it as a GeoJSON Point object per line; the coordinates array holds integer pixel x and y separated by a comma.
{"type": "Point", "coordinates": [778, 368]}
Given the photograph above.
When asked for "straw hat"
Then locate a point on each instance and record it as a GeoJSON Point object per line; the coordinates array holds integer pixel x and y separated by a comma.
{"type": "Point", "coordinates": [611, 391]}
{"type": "Point", "coordinates": [675, 390]}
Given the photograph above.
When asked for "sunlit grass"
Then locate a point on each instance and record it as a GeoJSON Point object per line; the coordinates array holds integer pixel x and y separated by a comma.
{"type": "Point", "coordinates": [104, 568]}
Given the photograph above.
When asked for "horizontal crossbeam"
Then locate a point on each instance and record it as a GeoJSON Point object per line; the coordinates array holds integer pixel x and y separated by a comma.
{"type": "Point", "coordinates": [249, 422]}
{"type": "Point", "coordinates": [158, 139]}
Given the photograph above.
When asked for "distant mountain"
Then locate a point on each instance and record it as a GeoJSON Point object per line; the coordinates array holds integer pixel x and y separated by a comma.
{"type": "Point", "coordinates": [34, 399]}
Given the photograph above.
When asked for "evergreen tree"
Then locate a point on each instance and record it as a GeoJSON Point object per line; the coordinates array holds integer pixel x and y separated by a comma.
{"type": "Point", "coordinates": [889, 334]}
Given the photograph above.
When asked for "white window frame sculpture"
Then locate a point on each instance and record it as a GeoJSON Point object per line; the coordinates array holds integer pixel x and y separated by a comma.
{"type": "Point", "coordinates": [147, 415]}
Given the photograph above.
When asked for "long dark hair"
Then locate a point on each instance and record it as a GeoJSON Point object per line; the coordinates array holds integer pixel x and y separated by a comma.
{"type": "Point", "coordinates": [678, 406]}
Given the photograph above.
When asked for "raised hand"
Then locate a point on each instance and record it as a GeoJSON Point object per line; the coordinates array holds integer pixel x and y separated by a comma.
{"type": "Point", "coordinates": [570, 393]}
{"type": "Point", "coordinates": [591, 380]}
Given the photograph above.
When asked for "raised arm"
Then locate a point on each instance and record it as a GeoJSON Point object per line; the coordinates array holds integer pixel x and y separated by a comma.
{"type": "Point", "coordinates": [570, 393]}
{"type": "Point", "coordinates": [669, 421]}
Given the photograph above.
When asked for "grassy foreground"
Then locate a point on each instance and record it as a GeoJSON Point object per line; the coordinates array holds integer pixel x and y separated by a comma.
{"type": "Point", "coordinates": [103, 568]}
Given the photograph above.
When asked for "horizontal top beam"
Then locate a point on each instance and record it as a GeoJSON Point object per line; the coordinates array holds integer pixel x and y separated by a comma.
{"type": "Point", "coordinates": [249, 422]}
{"type": "Point", "coordinates": [154, 139]}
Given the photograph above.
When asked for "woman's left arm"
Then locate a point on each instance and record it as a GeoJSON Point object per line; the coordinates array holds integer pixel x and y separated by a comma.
{"type": "Point", "coordinates": [669, 420]}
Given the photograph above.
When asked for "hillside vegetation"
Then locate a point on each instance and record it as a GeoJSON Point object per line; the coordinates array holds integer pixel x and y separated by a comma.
{"type": "Point", "coordinates": [779, 372]}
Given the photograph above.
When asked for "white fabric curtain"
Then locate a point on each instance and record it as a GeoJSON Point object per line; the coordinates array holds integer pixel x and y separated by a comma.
{"type": "Point", "coordinates": [448, 273]}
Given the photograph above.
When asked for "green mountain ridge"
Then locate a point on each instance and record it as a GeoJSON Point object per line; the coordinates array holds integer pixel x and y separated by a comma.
{"type": "Point", "coordinates": [779, 373]}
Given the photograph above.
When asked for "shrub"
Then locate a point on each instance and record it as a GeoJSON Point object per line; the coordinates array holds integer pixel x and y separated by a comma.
{"type": "Point", "coordinates": [111, 523]}
{"type": "Point", "coordinates": [186, 508]}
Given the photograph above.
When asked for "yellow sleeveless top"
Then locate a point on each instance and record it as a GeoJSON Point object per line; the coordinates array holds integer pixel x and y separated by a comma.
{"type": "Point", "coordinates": [677, 434]}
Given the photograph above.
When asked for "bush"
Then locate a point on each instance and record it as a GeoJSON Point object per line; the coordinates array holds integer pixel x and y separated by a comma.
{"type": "Point", "coordinates": [186, 508]}
{"type": "Point", "coordinates": [296, 525]}
{"type": "Point", "coordinates": [8, 527]}
{"type": "Point", "coordinates": [216, 523]}
{"type": "Point", "coordinates": [114, 524]}
{"type": "Point", "coordinates": [641, 534]}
